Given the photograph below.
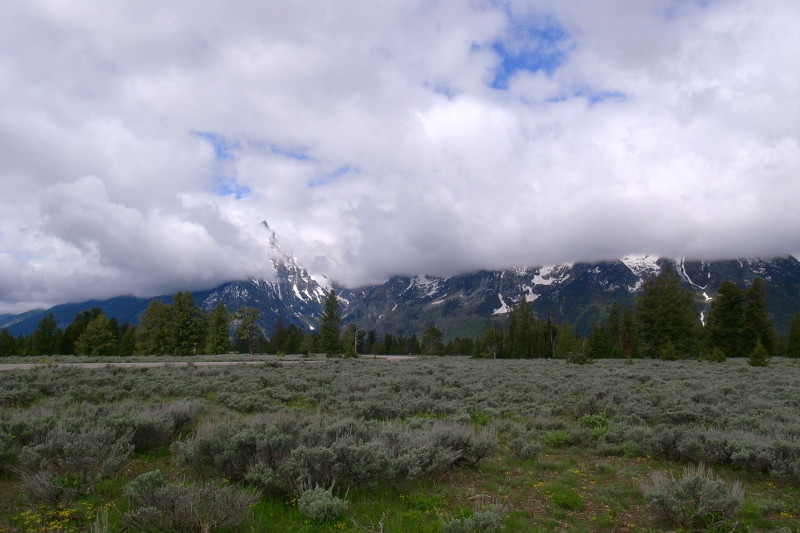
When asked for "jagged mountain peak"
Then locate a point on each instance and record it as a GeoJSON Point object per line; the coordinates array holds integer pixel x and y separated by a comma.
{"type": "Point", "coordinates": [463, 305]}
{"type": "Point", "coordinates": [642, 266]}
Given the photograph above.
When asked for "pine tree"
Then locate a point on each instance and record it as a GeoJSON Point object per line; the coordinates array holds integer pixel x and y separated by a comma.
{"type": "Point", "coordinates": [793, 341]}
{"type": "Point", "coordinates": [329, 326]}
{"type": "Point", "coordinates": [156, 332]}
{"type": "Point", "coordinates": [432, 341]}
{"type": "Point", "coordinates": [8, 344]}
{"type": "Point", "coordinates": [725, 323]}
{"type": "Point", "coordinates": [77, 327]}
{"type": "Point", "coordinates": [759, 356]}
{"type": "Point", "coordinates": [294, 339]}
{"type": "Point", "coordinates": [98, 338]}
{"type": "Point", "coordinates": [248, 334]}
{"type": "Point", "coordinates": [279, 336]}
{"type": "Point", "coordinates": [350, 340]}
{"type": "Point", "coordinates": [614, 330]}
{"type": "Point", "coordinates": [307, 345]}
{"type": "Point", "coordinates": [519, 341]}
{"type": "Point", "coordinates": [566, 343]}
{"type": "Point", "coordinates": [665, 317]}
{"type": "Point", "coordinates": [46, 338]}
{"type": "Point", "coordinates": [189, 322]}
{"type": "Point", "coordinates": [757, 325]}
{"type": "Point", "coordinates": [127, 340]}
{"type": "Point", "coordinates": [217, 334]}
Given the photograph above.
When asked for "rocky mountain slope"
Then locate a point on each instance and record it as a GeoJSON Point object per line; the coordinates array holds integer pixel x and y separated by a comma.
{"type": "Point", "coordinates": [462, 305]}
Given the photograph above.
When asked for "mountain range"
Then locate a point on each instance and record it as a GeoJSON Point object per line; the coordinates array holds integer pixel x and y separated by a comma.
{"type": "Point", "coordinates": [463, 305]}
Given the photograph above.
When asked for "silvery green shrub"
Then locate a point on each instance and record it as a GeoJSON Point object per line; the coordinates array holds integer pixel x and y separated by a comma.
{"type": "Point", "coordinates": [155, 505]}
{"type": "Point", "coordinates": [488, 521]}
{"type": "Point", "coordinates": [524, 449]}
{"type": "Point", "coordinates": [78, 455]}
{"type": "Point", "coordinates": [697, 498]}
{"type": "Point", "coordinates": [320, 505]}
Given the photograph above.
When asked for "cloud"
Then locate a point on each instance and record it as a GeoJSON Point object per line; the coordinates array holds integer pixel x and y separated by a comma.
{"type": "Point", "coordinates": [387, 138]}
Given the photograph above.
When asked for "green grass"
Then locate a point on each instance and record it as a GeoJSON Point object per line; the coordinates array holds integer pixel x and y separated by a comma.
{"type": "Point", "coordinates": [569, 486]}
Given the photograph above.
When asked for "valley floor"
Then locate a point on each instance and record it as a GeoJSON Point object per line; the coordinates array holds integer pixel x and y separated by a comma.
{"type": "Point", "coordinates": [422, 444]}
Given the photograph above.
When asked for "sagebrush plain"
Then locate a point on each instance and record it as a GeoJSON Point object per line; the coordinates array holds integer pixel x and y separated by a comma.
{"type": "Point", "coordinates": [426, 444]}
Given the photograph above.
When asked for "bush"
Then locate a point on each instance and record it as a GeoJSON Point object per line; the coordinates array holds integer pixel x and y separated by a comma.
{"type": "Point", "coordinates": [759, 356]}
{"type": "Point", "coordinates": [156, 505]}
{"type": "Point", "coordinates": [557, 438]}
{"type": "Point", "coordinates": [320, 505]}
{"type": "Point", "coordinates": [489, 521]}
{"type": "Point", "coordinates": [284, 454]}
{"type": "Point", "coordinates": [717, 355]}
{"type": "Point", "coordinates": [77, 457]}
{"type": "Point", "coordinates": [698, 498]}
{"type": "Point", "coordinates": [524, 449]}
{"type": "Point", "coordinates": [579, 358]}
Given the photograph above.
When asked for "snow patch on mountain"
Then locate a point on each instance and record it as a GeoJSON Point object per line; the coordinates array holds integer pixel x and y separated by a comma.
{"type": "Point", "coordinates": [683, 274]}
{"type": "Point", "coordinates": [642, 266]}
{"type": "Point", "coordinates": [552, 274]}
{"type": "Point", "coordinates": [527, 291]}
{"type": "Point", "coordinates": [428, 284]}
{"type": "Point", "coordinates": [324, 285]}
{"type": "Point", "coordinates": [504, 307]}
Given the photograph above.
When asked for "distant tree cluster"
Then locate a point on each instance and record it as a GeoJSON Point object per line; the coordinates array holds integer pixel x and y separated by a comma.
{"type": "Point", "coordinates": [179, 328]}
{"type": "Point", "coordinates": [664, 323]}
{"type": "Point", "coordinates": [90, 333]}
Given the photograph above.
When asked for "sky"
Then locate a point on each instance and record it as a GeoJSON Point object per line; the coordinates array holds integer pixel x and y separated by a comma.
{"type": "Point", "coordinates": [143, 143]}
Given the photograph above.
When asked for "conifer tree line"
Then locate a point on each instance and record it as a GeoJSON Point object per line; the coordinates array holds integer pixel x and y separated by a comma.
{"type": "Point", "coordinates": [177, 328]}
{"type": "Point", "coordinates": [665, 322]}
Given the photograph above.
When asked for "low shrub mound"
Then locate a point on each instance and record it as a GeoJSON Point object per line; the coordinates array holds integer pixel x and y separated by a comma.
{"type": "Point", "coordinates": [696, 499]}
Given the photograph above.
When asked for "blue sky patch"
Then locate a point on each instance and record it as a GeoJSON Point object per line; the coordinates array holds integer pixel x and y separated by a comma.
{"type": "Point", "coordinates": [223, 148]}
{"type": "Point", "coordinates": [225, 186]}
{"type": "Point", "coordinates": [292, 154]}
{"type": "Point", "coordinates": [277, 149]}
{"type": "Point", "coordinates": [594, 96]}
{"type": "Point", "coordinates": [533, 44]}
{"type": "Point", "coordinates": [332, 176]}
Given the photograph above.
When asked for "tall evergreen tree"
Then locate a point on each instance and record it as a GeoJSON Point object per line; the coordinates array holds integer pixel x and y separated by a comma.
{"type": "Point", "coordinates": [665, 317]}
{"type": "Point", "coordinates": [350, 340]}
{"type": "Point", "coordinates": [793, 341]}
{"type": "Point", "coordinates": [565, 342]}
{"type": "Point", "coordinates": [520, 339]}
{"type": "Point", "coordinates": [248, 334]}
{"type": "Point", "coordinates": [8, 344]}
{"type": "Point", "coordinates": [294, 339]}
{"type": "Point", "coordinates": [725, 323]}
{"type": "Point", "coordinates": [329, 326]}
{"type": "Point", "coordinates": [389, 344]}
{"type": "Point", "coordinates": [217, 339]}
{"type": "Point", "coordinates": [432, 341]}
{"type": "Point", "coordinates": [627, 339]}
{"type": "Point", "coordinates": [127, 340]}
{"type": "Point", "coordinates": [371, 341]}
{"type": "Point", "coordinates": [189, 322]}
{"type": "Point", "coordinates": [46, 338]}
{"type": "Point", "coordinates": [76, 328]}
{"type": "Point", "coordinates": [614, 330]}
{"type": "Point", "coordinates": [156, 332]}
{"type": "Point", "coordinates": [757, 325]}
{"type": "Point", "coordinates": [279, 336]}
{"type": "Point", "coordinates": [98, 338]}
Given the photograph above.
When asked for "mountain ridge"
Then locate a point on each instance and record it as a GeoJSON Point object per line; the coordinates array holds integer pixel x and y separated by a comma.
{"type": "Point", "coordinates": [463, 304]}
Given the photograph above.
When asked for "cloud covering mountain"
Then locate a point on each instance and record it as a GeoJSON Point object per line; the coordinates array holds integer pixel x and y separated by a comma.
{"type": "Point", "coordinates": [143, 143]}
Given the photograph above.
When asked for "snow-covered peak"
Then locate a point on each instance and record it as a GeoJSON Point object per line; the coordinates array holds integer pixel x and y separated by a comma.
{"type": "Point", "coordinates": [548, 275]}
{"type": "Point", "coordinates": [642, 266]}
{"type": "Point", "coordinates": [426, 283]}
